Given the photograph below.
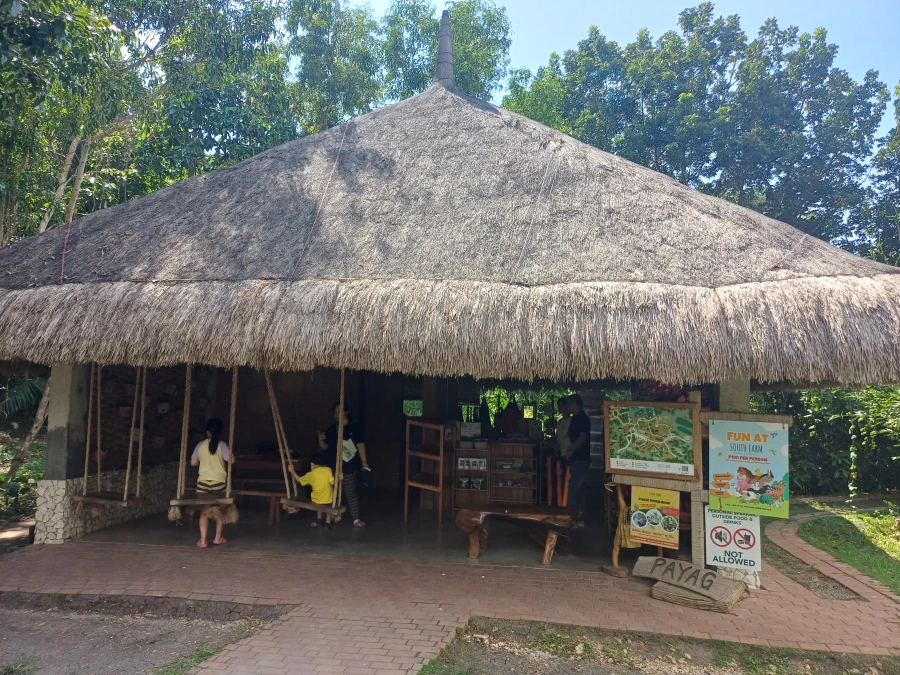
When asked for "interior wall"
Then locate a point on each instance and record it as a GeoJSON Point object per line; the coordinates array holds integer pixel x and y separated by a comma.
{"type": "Point", "coordinates": [385, 427]}
{"type": "Point", "coordinates": [304, 401]}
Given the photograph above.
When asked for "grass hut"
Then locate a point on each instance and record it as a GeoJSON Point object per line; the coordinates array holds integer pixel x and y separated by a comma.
{"type": "Point", "coordinates": [446, 236]}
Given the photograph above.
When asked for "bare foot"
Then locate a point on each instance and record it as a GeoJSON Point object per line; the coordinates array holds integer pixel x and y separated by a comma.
{"type": "Point", "coordinates": [219, 542]}
{"type": "Point", "coordinates": [201, 544]}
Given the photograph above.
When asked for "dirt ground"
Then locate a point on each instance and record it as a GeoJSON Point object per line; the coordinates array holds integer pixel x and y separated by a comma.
{"type": "Point", "coordinates": [55, 637]}
{"type": "Point", "coordinates": [493, 647]}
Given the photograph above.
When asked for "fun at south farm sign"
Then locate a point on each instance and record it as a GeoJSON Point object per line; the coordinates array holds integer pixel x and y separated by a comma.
{"type": "Point", "coordinates": [748, 467]}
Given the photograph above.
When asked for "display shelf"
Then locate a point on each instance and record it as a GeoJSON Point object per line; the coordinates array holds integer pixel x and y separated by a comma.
{"type": "Point", "coordinates": [522, 457]}
{"type": "Point", "coordinates": [432, 449]}
{"type": "Point", "coordinates": [469, 497]}
{"type": "Point", "coordinates": [424, 454]}
{"type": "Point", "coordinates": [428, 481]}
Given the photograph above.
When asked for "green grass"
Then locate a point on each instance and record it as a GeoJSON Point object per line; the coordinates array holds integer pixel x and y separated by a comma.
{"type": "Point", "coordinates": [184, 665]}
{"type": "Point", "coordinates": [20, 667]}
{"type": "Point", "coordinates": [862, 540]}
{"type": "Point", "coordinates": [435, 667]}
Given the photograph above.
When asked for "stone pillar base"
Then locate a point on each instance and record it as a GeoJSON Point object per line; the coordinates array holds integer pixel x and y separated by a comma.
{"type": "Point", "coordinates": [57, 521]}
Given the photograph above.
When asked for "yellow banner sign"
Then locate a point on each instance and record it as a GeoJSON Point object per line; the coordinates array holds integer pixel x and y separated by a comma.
{"type": "Point", "coordinates": [654, 516]}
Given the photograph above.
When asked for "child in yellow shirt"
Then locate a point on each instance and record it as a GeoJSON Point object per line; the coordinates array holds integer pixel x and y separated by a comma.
{"type": "Point", "coordinates": [321, 480]}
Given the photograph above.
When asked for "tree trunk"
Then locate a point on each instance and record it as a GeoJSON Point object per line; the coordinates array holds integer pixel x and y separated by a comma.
{"type": "Point", "coordinates": [39, 420]}
{"type": "Point", "coordinates": [76, 182]}
{"type": "Point", "coordinates": [61, 185]}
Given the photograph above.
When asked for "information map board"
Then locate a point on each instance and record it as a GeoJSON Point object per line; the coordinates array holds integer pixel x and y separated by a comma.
{"type": "Point", "coordinates": [653, 439]}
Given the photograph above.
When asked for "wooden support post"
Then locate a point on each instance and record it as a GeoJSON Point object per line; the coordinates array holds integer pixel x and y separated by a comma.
{"type": "Point", "coordinates": [474, 542]}
{"type": "Point", "coordinates": [549, 547]}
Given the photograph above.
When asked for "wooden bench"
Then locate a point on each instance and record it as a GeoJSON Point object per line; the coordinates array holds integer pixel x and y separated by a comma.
{"type": "Point", "coordinates": [554, 520]}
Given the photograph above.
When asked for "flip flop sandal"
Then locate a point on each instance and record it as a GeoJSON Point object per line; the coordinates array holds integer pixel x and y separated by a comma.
{"type": "Point", "coordinates": [200, 544]}
{"type": "Point", "coordinates": [358, 523]}
{"type": "Point", "coordinates": [219, 542]}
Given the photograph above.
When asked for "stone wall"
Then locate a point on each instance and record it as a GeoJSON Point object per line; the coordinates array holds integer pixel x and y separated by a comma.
{"type": "Point", "coordinates": [57, 519]}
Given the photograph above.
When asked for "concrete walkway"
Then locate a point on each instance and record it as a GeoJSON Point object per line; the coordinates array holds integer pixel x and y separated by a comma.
{"type": "Point", "coordinates": [366, 616]}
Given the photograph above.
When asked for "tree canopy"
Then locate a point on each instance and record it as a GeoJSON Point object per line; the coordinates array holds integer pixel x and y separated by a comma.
{"type": "Point", "coordinates": [771, 122]}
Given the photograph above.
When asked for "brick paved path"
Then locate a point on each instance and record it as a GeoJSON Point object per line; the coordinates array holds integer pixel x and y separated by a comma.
{"type": "Point", "coordinates": [784, 534]}
{"type": "Point", "coordinates": [371, 616]}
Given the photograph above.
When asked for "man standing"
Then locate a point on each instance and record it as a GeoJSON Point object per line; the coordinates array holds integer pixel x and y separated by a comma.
{"type": "Point", "coordinates": [579, 456]}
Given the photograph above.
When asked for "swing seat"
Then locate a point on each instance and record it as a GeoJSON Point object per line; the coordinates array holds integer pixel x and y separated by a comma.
{"type": "Point", "coordinates": [109, 498]}
{"type": "Point", "coordinates": [309, 506]}
{"type": "Point", "coordinates": [198, 500]}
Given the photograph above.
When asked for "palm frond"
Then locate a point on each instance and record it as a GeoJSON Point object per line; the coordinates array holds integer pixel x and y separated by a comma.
{"type": "Point", "coordinates": [21, 395]}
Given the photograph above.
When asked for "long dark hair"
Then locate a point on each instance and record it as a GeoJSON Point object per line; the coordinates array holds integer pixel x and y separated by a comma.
{"type": "Point", "coordinates": [214, 426]}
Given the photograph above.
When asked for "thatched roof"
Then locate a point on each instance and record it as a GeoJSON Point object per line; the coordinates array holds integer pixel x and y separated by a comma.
{"type": "Point", "coordinates": [444, 235]}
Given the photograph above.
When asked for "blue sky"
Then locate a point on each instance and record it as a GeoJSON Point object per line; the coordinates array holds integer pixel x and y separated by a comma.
{"type": "Point", "coordinates": [866, 31]}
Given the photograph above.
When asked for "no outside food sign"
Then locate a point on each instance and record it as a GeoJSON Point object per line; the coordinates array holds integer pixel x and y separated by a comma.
{"type": "Point", "coordinates": [732, 540]}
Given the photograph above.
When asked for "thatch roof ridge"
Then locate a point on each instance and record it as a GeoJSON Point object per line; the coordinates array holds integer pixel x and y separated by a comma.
{"type": "Point", "coordinates": [444, 235]}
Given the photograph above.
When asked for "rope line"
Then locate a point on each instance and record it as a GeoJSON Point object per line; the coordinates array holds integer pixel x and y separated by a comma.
{"type": "Point", "coordinates": [279, 432]}
{"type": "Point", "coordinates": [185, 423]}
{"type": "Point", "coordinates": [534, 206]}
{"type": "Point", "coordinates": [99, 408]}
{"type": "Point", "coordinates": [234, 386]}
{"type": "Point", "coordinates": [134, 418]}
{"type": "Point", "coordinates": [786, 255]}
{"type": "Point", "coordinates": [87, 443]}
{"type": "Point", "coordinates": [339, 464]}
{"type": "Point", "coordinates": [140, 465]}
{"type": "Point", "coordinates": [321, 203]}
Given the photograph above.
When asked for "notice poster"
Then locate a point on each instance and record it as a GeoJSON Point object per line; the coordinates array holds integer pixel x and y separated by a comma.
{"type": "Point", "coordinates": [653, 439]}
{"type": "Point", "coordinates": [654, 516]}
{"type": "Point", "coordinates": [748, 467]}
{"type": "Point", "coordinates": [732, 540]}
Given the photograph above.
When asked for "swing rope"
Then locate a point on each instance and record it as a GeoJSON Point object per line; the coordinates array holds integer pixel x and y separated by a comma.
{"type": "Point", "coordinates": [185, 426]}
{"type": "Point", "coordinates": [134, 419]}
{"type": "Point", "coordinates": [99, 407]}
{"type": "Point", "coordinates": [87, 444]}
{"type": "Point", "coordinates": [339, 464]}
{"type": "Point", "coordinates": [234, 386]}
{"type": "Point", "coordinates": [175, 511]}
{"type": "Point", "coordinates": [140, 466]}
{"type": "Point", "coordinates": [283, 451]}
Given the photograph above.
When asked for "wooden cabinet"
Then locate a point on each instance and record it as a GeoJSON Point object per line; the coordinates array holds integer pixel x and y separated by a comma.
{"type": "Point", "coordinates": [514, 473]}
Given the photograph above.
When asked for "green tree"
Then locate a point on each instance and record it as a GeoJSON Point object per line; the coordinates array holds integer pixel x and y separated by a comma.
{"type": "Point", "coordinates": [541, 97]}
{"type": "Point", "coordinates": [339, 61]}
{"type": "Point", "coordinates": [879, 235]}
{"type": "Point", "coordinates": [480, 46]}
{"type": "Point", "coordinates": [771, 123]}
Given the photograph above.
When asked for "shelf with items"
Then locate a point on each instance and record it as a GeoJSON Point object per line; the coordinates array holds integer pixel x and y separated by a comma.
{"type": "Point", "coordinates": [471, 466]}
{"type": "Point", "coordinates": [515, 474]}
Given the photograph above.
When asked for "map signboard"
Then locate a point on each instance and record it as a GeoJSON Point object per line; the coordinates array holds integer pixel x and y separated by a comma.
{"type": "Point", "coordinates": [748, 467]}
{"type": "Point", "coordinates": [653, 439]}
{"type": "Point", "coordinates": [732, 540]}
{"type": "Point", "coordinates": [654, 516]}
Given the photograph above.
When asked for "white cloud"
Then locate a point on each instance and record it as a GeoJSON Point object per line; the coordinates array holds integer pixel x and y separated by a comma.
{"type": "Point", "coordinates": [715, 443]}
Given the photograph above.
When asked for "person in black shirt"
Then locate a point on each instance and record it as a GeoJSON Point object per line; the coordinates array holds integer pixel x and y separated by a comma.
{"type": "Point", "coordinates": [353, 453]}
{"type": "Point", "coordinates": [579, 456]}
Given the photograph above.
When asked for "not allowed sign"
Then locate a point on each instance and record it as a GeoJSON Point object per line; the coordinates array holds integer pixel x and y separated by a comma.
{"type": "Point", "coordinates": [732, 540]}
